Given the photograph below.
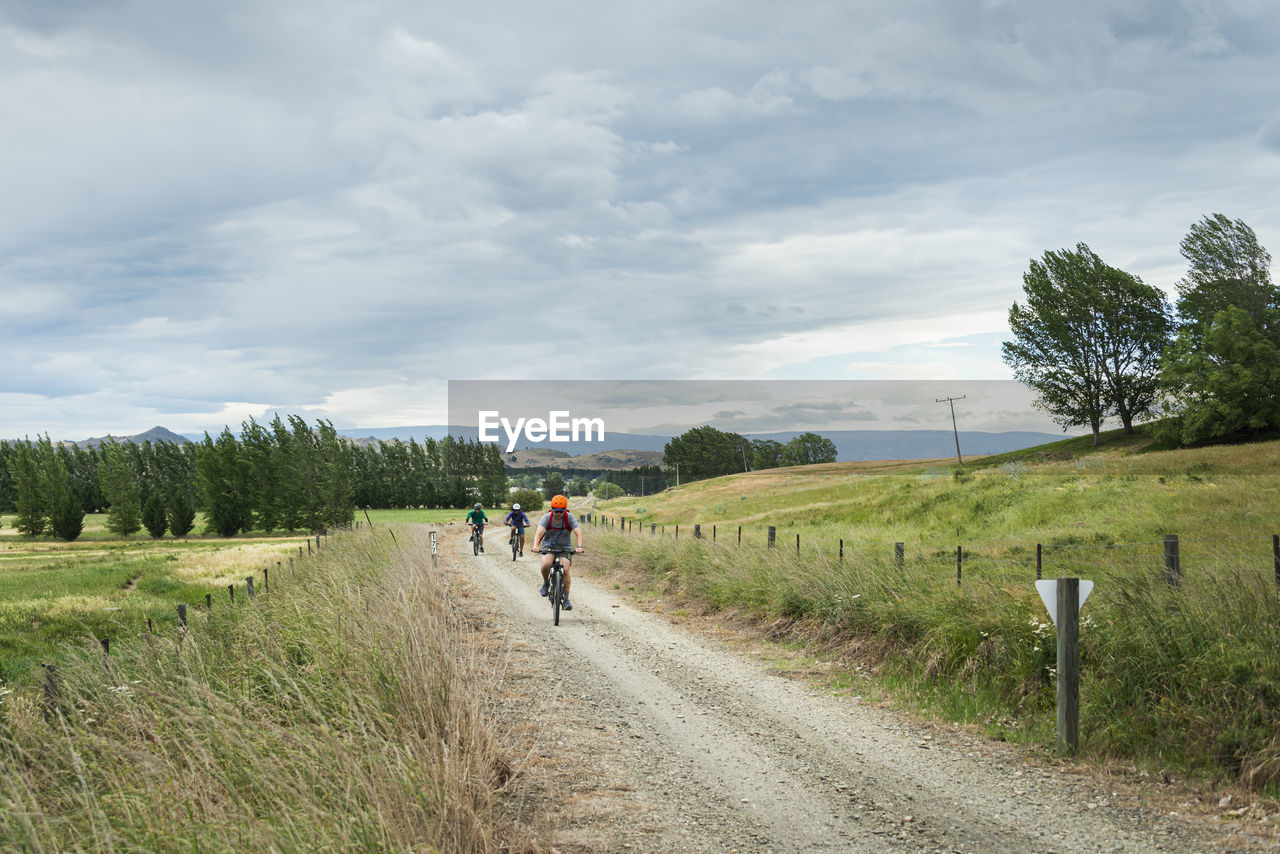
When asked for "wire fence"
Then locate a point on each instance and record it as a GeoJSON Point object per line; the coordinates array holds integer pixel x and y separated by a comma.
{"type": "Point", "coordinates": [1171, 555]}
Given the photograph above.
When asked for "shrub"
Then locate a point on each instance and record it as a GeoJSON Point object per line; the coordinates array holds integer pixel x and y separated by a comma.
{"type": "Point", "coordinates": [530, 500]}
{"type": "Point", "coordinates": [182, 516]}
{"type": "Point", "coordinates": [66, 517]}
{"type": "Point", "coordinates": [153, 518]}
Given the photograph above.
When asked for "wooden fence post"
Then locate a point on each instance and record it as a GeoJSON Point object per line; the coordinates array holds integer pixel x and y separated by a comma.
{"type": "Point", "coordinates": [697, 531]}
{"type": "Point", "coordinates": [182, 615]}
{"type": "Point", "coordinates": [208, 601]}
{"type": "Point", "coordinates": [1068, 665]}
{"type": "Point", "coordinates": [266, 580]}
{"type": "Point", "coordinates": [653, 529]}
{"type": "Point", "coordinates": [959, 562]}
{"type": "Point", "coordinates": [713, 533]}
{"type": "Point", "coordinates": [231, 589]}
{"type": "Point", "coordinates": [1038, 562]}
{"type": "Point", "coordinates": [773, 534]}
{"type": "Point", "coordinates": [797, 545]}
{"type": "Point", "coordinates": [1172, 561]}
{"type": "Point", "coordinates": [677, 532]}
{"type": "Point", "coordinates": [739, 535]}
{"type": "Point", "coordinates": [899, 553]}
{"type": "Point", "coordinates": [249, 584]}
{"type": "Point", "coordinates": [842, 549]}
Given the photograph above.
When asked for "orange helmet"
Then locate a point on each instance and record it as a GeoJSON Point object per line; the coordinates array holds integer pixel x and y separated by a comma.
{"type": "Point", "coordinates": [559, 502]}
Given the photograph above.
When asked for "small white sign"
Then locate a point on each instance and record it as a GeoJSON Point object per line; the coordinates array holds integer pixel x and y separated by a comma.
{"type": "Point", "coordinates": [433, 542]}
{"type": "Point", "coordinates": [1048, 589]}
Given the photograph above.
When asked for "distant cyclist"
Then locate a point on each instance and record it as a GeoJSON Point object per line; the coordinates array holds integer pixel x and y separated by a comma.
{"type": "Point", "coordinates": [519, 521]}
{"type": "Point", "coordinates": [476, 520]}
{"type": "Point", "coordinates": [554, 532]}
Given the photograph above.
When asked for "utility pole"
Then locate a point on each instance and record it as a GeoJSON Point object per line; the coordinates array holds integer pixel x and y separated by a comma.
{"type": "Point", "coordinates": [954, 431]}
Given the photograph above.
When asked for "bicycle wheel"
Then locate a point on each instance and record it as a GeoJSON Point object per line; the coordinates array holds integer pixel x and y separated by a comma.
{"type": "Point", "coordinates": [475, 544]}
{"type": "Point", "coordinates": [556, 594]}
{"type": "Point", "coordinates": [515, 546]}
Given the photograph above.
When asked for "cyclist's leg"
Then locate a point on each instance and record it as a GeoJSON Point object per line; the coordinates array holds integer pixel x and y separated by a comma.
{"type": "Point", "coordinates": [566, 562]}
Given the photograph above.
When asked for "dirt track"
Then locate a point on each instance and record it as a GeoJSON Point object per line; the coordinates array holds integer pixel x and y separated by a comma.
{"type": "Point", "coordinates": [674, 742]}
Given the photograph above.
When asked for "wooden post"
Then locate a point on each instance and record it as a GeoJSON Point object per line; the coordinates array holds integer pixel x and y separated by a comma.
{"type": "Point", "coordinates": [773, 534]}
{"type": "Point", "coordinates": [899, 553]}
{"type": "Point", "coordinates": [182, 615]}
{"type": "Point", "coordinates": [1275, 555]}
{"type": "Point", "coordinates": [231, 589]}
{"type": "Point", "coordinates": [739, 535]}
{"type": "Point", "coordinates": [317, 542]}
{"type": "Point", "coordinates": [959, 563]}
{"type": "Point", "coordinates": [1172, 561]}
{"type": "Point", "coordinates": [653, 529]}
{"type": "Point", "coordinates": [249, 584]}
{"type": "Point", "coordinates": [266, 580]}
{"type": "Point", "coordinates": [713, 533]}
{"type": "Point", "coordinates": [697, 532]}
{"type": "Point", "coordinates": [52, 690]}
{"type": "Point", "coordinates": [1038, 561]}
{"type": "Point", "coordinates": [208, 601]}
{"type": "Point", "coordinates": [308, 546]}
{"type": "Point", "coordinates": [106, 654]}
{"type": "Point", "coordinates": [149, 625]}
{"type": "Point", "coordinates": [842, 549]}
{"type": "Point", "coordinates": [1068, 665]}
{"type": "Point", "coordinates": [677, 532]}
{"type": "Point", "coordinates": [797, 545]}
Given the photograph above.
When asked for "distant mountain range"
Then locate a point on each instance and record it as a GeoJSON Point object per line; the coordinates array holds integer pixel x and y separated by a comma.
{"type": "Point", "coordinates": [155, 434]}
{"type": "Point", "coordinates": [851, 445]}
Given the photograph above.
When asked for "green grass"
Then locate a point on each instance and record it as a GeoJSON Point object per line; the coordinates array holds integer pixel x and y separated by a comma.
{"type": "Point", "coordinates": [1185, 679]}
{"type": "Point", "coordinates": [337, 713]}
{"type": "Point", "coordinates": [53, 592]}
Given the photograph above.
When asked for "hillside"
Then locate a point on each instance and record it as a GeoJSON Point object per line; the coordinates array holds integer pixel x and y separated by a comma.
{"type": "Point", "coordinates": [1120, 492]}
{"type": "Point", "coordinates": [620, 460]}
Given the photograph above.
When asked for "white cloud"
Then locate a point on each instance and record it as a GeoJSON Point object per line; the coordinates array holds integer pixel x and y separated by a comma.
{"type": "Point", "coordinates": [335, 212]}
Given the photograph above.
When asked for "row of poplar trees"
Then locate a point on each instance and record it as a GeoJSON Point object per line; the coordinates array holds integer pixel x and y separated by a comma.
{"type": "Point", "coordinates": [281, 476]}
{"type": "Point", "coordinates": [1096, 342]}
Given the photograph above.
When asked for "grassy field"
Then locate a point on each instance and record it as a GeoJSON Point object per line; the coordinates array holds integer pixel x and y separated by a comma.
{"type": "Point", "coordinates": [103, 587]}
{"type": "Point", "coordinates": [338, 712]}
{"type": "Point", "coordinates": [1185, 679]}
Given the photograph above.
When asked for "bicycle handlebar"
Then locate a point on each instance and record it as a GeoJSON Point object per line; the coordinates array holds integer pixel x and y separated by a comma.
{"type": "Point", "coordinates": [547, 551]}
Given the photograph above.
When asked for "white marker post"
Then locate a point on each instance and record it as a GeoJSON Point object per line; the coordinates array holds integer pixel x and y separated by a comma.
{"type": "Point", "coordinates": [433, 549]}
{"type": "Point", "coordinates": [1063, 597]}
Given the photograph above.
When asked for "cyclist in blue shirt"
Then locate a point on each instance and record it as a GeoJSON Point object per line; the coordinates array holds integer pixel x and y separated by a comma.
{"type": "Point", "coordinates": [518, 520]}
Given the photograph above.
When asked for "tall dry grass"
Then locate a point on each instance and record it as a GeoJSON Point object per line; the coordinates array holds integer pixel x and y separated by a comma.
{"type": "Point", "coordinates": [340, 712]}
{"type": "Point", "coordinates": [1184, 678]}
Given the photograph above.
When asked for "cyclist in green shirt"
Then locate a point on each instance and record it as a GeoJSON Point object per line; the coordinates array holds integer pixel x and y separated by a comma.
{"type": "Point", "coordinates": [476, 520]}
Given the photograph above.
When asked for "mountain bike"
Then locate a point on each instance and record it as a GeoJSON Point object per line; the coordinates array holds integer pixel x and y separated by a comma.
{"type": "Point", "coordinates": [555, 582]}
{"type": "Point", "coordinates": [477, 539]}
{"type": "Point", "coordinates": [515, 542]}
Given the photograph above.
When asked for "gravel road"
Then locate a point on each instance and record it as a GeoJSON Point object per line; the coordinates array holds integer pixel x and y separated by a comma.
{"type": "Point", "coordinates": [667, 739]}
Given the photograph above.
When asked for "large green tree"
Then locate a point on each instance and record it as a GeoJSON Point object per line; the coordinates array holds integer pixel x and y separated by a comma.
{"type": "Point", "coordinates": [122, 486]}
{"type": "Point", "coordinates": [809, 448]}
{"type": "Point", "coordinates": [704, 452]}
{"type": "Point", "coordinates": [30, 501]}
{"type": "Point", "coordinates": [1087, 340]}
{"type": "Point", "coordinates": [1222, 373]}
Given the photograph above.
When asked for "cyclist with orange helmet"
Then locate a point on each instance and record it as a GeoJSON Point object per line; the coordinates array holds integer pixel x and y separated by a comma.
{"type": "Point", "coordinates": [554, 532]}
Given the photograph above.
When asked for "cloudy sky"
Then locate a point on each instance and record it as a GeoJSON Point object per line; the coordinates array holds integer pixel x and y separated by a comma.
{"type": "Point", "coordinates": [211, 210]}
